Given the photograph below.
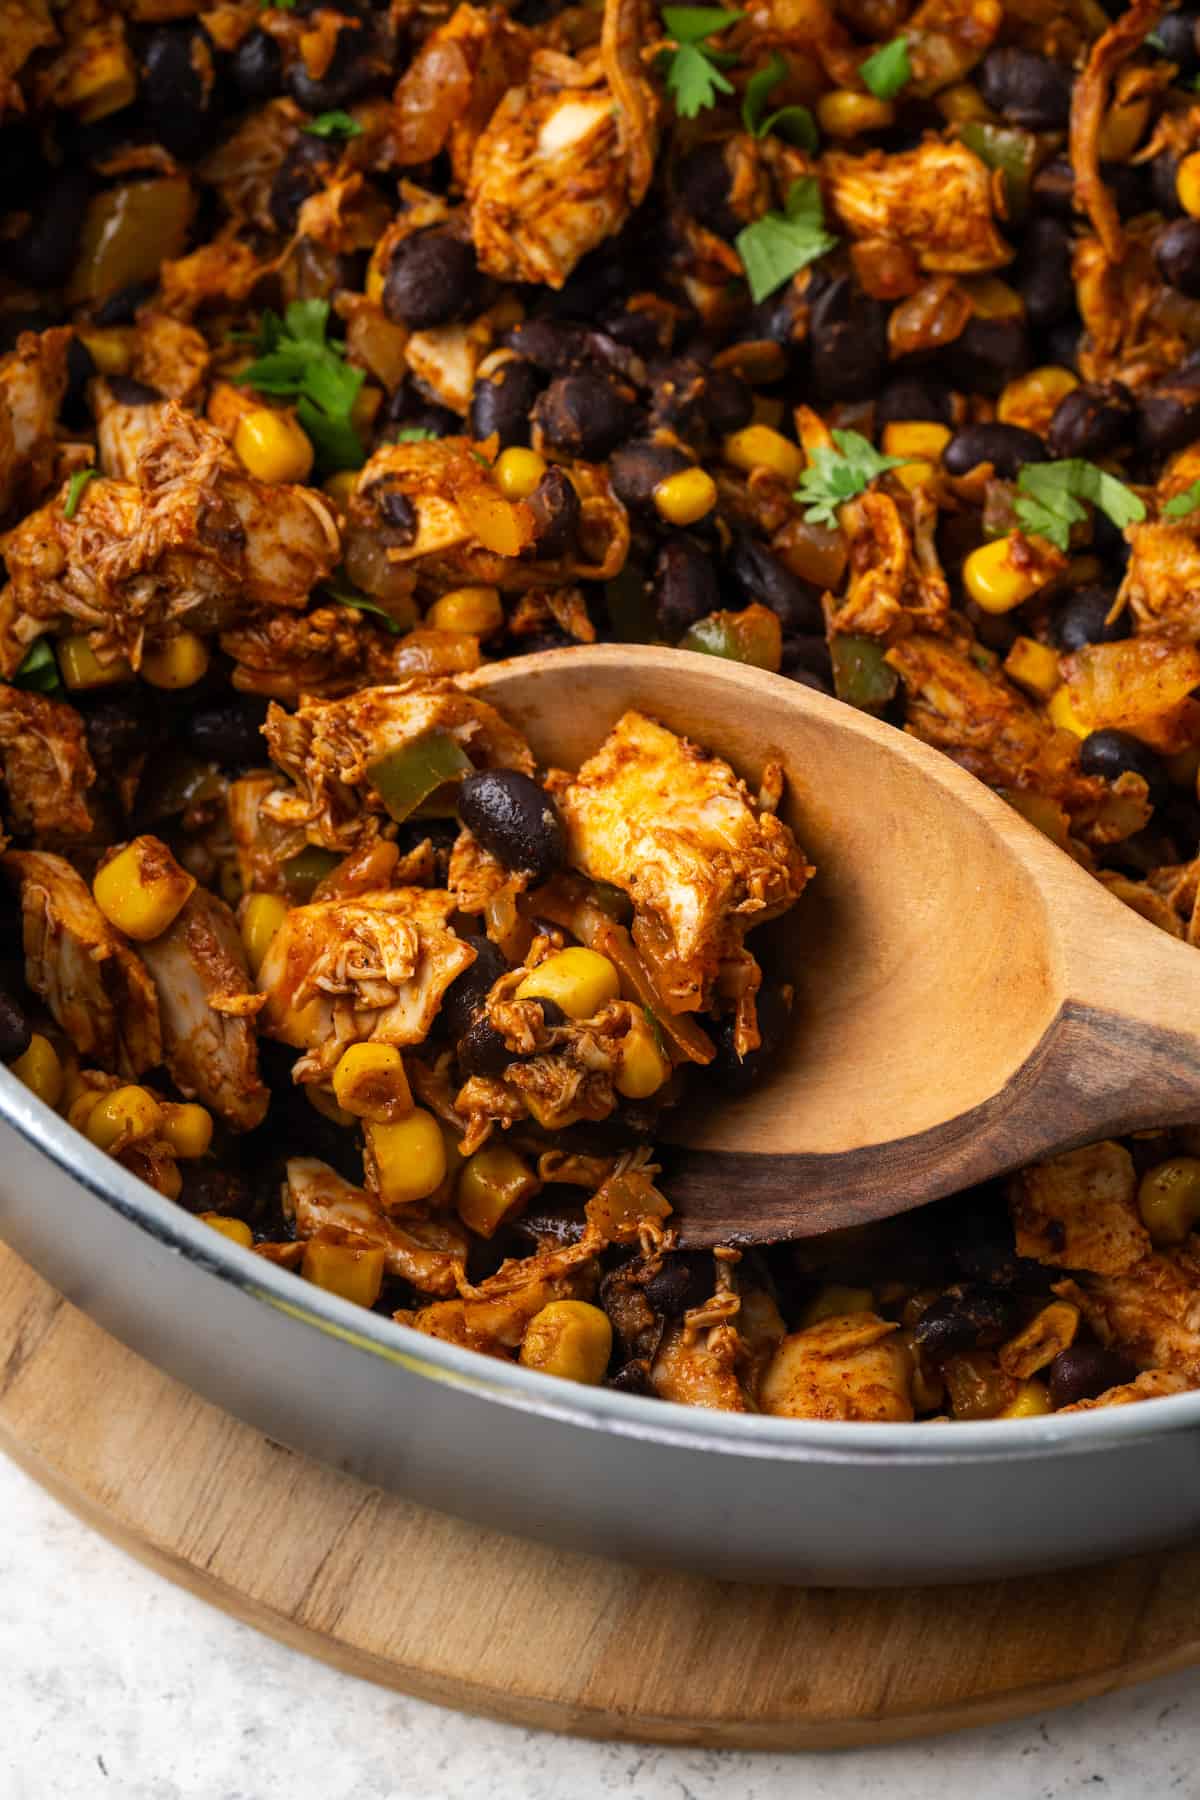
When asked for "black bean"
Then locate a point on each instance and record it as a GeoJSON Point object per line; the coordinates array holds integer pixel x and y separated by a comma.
{"type": "Point", "coordinates": [432, 279]}
{"type": "Point", "coordinates": [685, 1280]}
{"type": "Point", "coordinates": [1164, 196]}
{"type": "Point", "coordinates": [1044, 277]}
{"type": "Point", "coordinates": [1169, 412]}
{"type": "Point", "coordinates": [914, 397]}
{"type": "Point", "coordinates": [299, 177]}
{"type": "Point", "coordinates": [636, 469]}
{"type": "Point", "coordinates": [1083, 619]}
{"type": "Point", "coordinates": [1178, 35]}
{"type": "Point", "coordinates": [406, 406]}
{"type": "Point", "coordinates": [737, 1075]}
{"type": "Point", "coordinates": [583, 415]}
{"type": "Point", "coordinates": [481, 1050]}
{"type": "Point", "coordinates": [847, 335]}
{"type": "Point", "coordinates": [988, 353]}
{"type": "Point", "coordinates": [257, 67]}
{"type": "Point", "coordinates": [121, 308]}
{"type": "Point", "coordinates": [761, 576]}
{"type": "Point", "coordinates": [805, 658]}
{"type": "Point", "coordinates": [632, 1377]}
{"type": "Point", "coordinates": [1086, 1371]}
{"type": "Point", "coordinates": [1092, 420]}
{"type": "Point", "coordinates": [25, 318]}
{"type": "Point", "coordinates": [1007, 447]}
{"type": "Point", "coordinates": [348, 76]}
{"type": "Point", "coordinates": [703, 183]}
{"type": "Point", "coordinates": [1053, 188]}
{"type": "Point", "coordinates": [677, 395]}
{"type": "Point", "coordinates": [780, 319]}
{"type": "Point", "coordinates": [464, 998]}
{"type": "Point", "coordinates": [1177, 253]}
{"type": "Point", "coordinates": [685, 586]}
{"type": "Point", "coordinates": [209, 1189]}
{"type": "Point", "coordinates": [42, 254]}
{"type": "Point", "coordinates": [117, 730]}
{"type": "Point", "coordinates": [15, 1029]}
{"type": "Point", "coordinates": [1131, 187]}
{"type": "Point", "coordinates": [1113, 753]}
{"type": "Point", "coordinates": [515, 819]}
{"type": "Point", "coordinates": [727, 402]}
{"type": "Point", "coordinates": [229, 733]}
{"type": "Point", "coordinates": [557, 512]}
{"type": "Point", "coordinates": [80, 370]}
{"type": "Point", "coordinates": [636, 331]}
{"type": "Point", "coordinates": [179, 87]}
{"type": "Point", "coordinates": [398, 514]}
{"type": "Point", "coordinates": [972, 1319]}
{"type": "Point", "coordinates": [1028, 89]}
{"type": "Point", "coordinates": [552, 345]}
{"type": "Point", "coordinates": [502, 403]}
{"type": "Point", "coordinates": [126, 391]}
{"type": "Point", "coordinates": [557, 1214]}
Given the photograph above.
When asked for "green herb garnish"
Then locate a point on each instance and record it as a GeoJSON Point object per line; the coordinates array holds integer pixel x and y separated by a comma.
{"type": "Point", "coordinates": [888, 70]}
{"type": "Point", "coordinates": [1050, 494]}
{"type": "Point", "coordinates": [75, 487]}
{"type": "Point", "coordinates": [779, 245]}
{"type": "Point", "coordinates": [298, 362]}
{"type": "Point", "coordinates": [1183, 503]}
{"type": "Point", "coordinates": [835, 476]}
{"type": "Point", "coordinates": [345, 595]}
{"type": "Point", "coordinates": [792, 123]}
{"type": "Point", "coordinates": [38, 670]}
{"type": "Point", "coordinates": [334, 124]}
{"type": "Point", "coordinates": [693, 68]}
{"type": "Point", "coordinates": [416, 434]}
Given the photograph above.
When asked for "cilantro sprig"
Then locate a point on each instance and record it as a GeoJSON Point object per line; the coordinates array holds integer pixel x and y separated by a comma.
{"type": "Point", "coordinates": [75, 487]}
{"type": "Point", "coordinates": [39, 670]}
{"type": "Point", "coordinates": [779, 245]}
{"type": "Point", "coordinates": [338, 588]}
{"type": "Point", "coordinates": [794, 124]}
{"type": "Point", "coordinates": [888, 70]}
{"type": "Point", "coordinates": [414, 434]}
{"type": "Point", "coordinates": [334, 124]}
{"type": "Point", "coordinates": [693, 68]}
{"type": "Point", "coordinates": [298, 361]}
{"type": "Point", "coordinates": [1050, 495]}
{"type": "Point", "coordinates": [1182, 504]}
{"type": "Point", "coordinates": [835, 476]}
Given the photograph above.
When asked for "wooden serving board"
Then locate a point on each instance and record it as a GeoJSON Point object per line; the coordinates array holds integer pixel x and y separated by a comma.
{"type": "Point", "coordinates": [470, 1619]}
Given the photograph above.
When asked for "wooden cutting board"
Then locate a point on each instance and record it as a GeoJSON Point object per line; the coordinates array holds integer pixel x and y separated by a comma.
{"type": "Point", "coordinates": [470, 1619]}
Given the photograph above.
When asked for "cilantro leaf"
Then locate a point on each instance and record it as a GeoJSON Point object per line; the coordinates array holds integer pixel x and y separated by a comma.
{"type": "Point", "coordinates": [888, 70]}
{"type": "Point", "coordinates": [692, 24]}
{"type": "Point", "coordinates": [834, 476]}
{"type": "Point", "coordinates": [414, 434]}
{"type": "Point", "coordinates": [792, 123]}
{"type": "Point", "coordinates": [1154, 42]}
{"type": "Point", "coordinates": [1184, 503]}
{"type": "Point", "coordinates": [75, 487]}
{"type": "Point", "coordinates": [334, 124]}
{"type": "Point", "coordinates": [693, 69]}
{"type": "Point", "coordinates": [38, 669]}
{"type": "Point", "coordinates": [277, 5]}
{"type": "Point", "coordinates": [1049, 496]}
{"type": "Point", "coordinates": [779, 245]}
{"type": "Point", "coordinates": [346, 595]}
{"type": "Point", "coordinates": [298, 361]}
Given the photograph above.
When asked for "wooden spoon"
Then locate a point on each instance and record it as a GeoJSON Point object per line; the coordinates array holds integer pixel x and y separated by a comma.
{"type": "Point", "coordinates": [967, 998]}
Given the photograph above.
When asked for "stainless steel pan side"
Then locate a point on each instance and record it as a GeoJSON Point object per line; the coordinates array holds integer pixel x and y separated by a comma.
{"type": "Point", "coordinates": [741, 1497]}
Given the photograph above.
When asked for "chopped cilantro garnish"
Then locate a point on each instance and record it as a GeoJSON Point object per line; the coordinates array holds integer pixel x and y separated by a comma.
{"type": "Point", "coordinates": [834, 476]}
{"type": "Point", "coordinates": [1154, 42]}
{"type": "Point", "coordinates": [277, 5]}
{"type": "Point", "coordinates": [693, 68]}
{"type": "Point", "coordinates": [779, 245]}
{"type": "Point", "coordinates": [793, 123]}
{"type": "Point", "coordinates": [75, 487]}
{"type": "Point", "coordinates": [888, 70]}
{"type": "Point", "coordinates": [1048, 501]}
{"type": "Point", "coordinates": [298, 362]}
{"type": "Point", "coordinates": [38, 669]}
{"type": "Point", "coordinates": [339, 589]}
{"type": "Point", "coordinates": [334, 124]}
{"type": "Point", "coordinates": [415, 434]}
{"type": "Point", "coordinates": [1184, 503]}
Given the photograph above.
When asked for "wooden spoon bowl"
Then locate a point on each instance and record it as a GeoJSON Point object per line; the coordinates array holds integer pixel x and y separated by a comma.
{"type": "Point", "coordinates": [967, 998]}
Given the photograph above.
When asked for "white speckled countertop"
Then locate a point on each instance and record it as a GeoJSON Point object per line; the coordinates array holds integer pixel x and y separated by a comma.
{"type": "Point", "coordinates": [118, 1686]}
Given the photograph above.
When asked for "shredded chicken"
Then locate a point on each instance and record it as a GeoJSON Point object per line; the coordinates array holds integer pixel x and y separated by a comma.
{"type": "Point", "coordinates": [1079, 1211]}
{"type": "Point", "coordinates": [940, 201]}
{"type": "Point", "coordinates": [46, 765]}
{"type": "Point", "coordinates": [322, 1206]}
{"type": "Point", "coordinates": [852, 1367]}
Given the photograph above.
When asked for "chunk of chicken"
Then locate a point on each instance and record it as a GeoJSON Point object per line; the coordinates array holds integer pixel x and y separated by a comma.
{"type": "Point", "coordinates": [33, 380]}
{"type": "Point", "coordinates": [939, 201]}
{"type": "Point", "coordinates": [946, 38]}
{"type": "Point", "coordinates": [193, 542]}
{"type": "Point", "coordinates": [1142, 685]}
{"type": "Point", "coordinates": [895, 576]}
{"type": "Point", "coordinates": [1162, 578]}
{"type": "Point", "coordinates": [96, 988]}
{"type": "Point", "coordinates": [373, 968]}
{"type": "Point", "coordinates": [47, 768]}
{"type": "Point", "coordinates": [25, 26]}
{"type": "Point", "coordinates": [426, 1252]}
{"type": "Point", "coordinates": [454, 83]}
{"type": "Point", "coordinates": [674, 828]}
{"type": "Point", "coordinates": [124, 428]}
{"type": "Point", "coordinates": [1135, 328]}
{"type": "Point", "coordinates": [1079, 1211]}
{"type": "Point", "coordinates": [207, 1006]}
{"type": "Point", "coordinates": [1151, 1384]}
{"type": "Point", "coordinates": [1151, 1311]}
{"type": "Point", "coordinates": [328, 748]}
{"type": "Point", "coordinates": [170, 357]}
{"type": "Point", "coordinates": [849, 1367]}
{"type": "Point", "coordinates": [336, 650]}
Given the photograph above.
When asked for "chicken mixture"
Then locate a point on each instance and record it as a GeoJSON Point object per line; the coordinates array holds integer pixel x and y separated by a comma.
{"type": "Point", "coordinates": [344, 346]}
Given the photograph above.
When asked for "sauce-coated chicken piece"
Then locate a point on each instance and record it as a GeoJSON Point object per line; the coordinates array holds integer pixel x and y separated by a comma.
{"type": "Point", "coordinates": [939, 201]}
{"type": "Point", "coordinates": [46, 765]}
{"type": "Point", "coordinates": [850, 1367]}
{"type": "Point", "coordinates": [33, 380]}
{"type": "Point", "coordinates": [1079, 1211]}
{"type": "Point", "coordinates": [426, 1252]}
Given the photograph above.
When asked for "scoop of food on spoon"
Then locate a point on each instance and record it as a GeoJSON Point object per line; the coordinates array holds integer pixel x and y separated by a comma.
{"type": "Point", "coordinates": [967, 998]}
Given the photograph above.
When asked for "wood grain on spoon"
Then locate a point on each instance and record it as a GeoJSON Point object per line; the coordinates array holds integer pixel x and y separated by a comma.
{"type": "Point", "coordinates": [967, 998]}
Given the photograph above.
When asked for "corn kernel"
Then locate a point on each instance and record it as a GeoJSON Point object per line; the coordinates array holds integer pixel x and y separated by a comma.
{"type": "Point", "coordinates": [272, 446]}
{"type": "Point", "coordinates": [1033, 666]}
{"type": "Point", "coordinates": [369, 1081]}
{"type": "Point", "coordinates": [355, 1274]}
{"type": "Point", "coordinates": [179, 663]}
{"type": "Point", "coordinates": [39, 1068]}
{"type": "Point", "coordinates": [571, 1339]}
{"type": "Point", "coordinates": [492, 519]}
{"type": "Point", "coordinates": [834, 1301]}
{"type": "Point", "coordinates": [992, 580]}
{"type": "Point", "coordinates": [1169, 1199]}
{"type": "Point", "coordinates": [321, 1100]}
{"type": "Point", "coordinates": [915, 437]}
{"type": "Point", "coordinates": [685, 497]}
{"type": "Point", "coordinates": [1122, 129]}
{"type": "Point", "coordinates": [474, 609]}
{"type": "Point", "coordinates": [80, 667]}
{"type": "Point", "coordinates": [494, 1184]}
{"type": "Point", "coordinates": [992, 298]}
{"type": "Point", "coordinates": [1030, 1400]}
{"type": "Point", "coordinates": [407, 1158]}
{"type": "Point", "coordinates": [376, 278]}
{"type": "Point", "coordinates": [236, 1230]}
{"type": "Point", "coordinates": [842, 113]}
{"type": "Point", "coordinates": [581, 981]}
{"type": "Point", "coordinates": [142, 889]}
{"type": "Point", "coordinates": [82, 1107]}
{"type": "Point", "coordinates": [261, 917]}
{"type": "Point", "coordinates": [123, 1117]}
{"type": "Point", "coordinates": [187, 1127]}
{"type": "Point", "coordinates": [103, 79]}
{"type": "Point", "coordinates": [1063, 714]}
{"type": "Point", "coordinates": [915, 474]}
{"type": "Point", "coordinates": [962, 104]}
{"type": "Point", "coordinates": [643, 1068]}
{"type": "Point", "coordinates": [759, 447]}
{"type": "Point", "coordinates": [111, 349]}
{"type": "Point", "coordinates": [1187, 184]}
{"type": "Point", "coordinates": [518, 472]}
{"type": "Point", "coordinates": [1035, 394]}
{"type": "Point", "coordinates": [340, 487]}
